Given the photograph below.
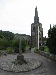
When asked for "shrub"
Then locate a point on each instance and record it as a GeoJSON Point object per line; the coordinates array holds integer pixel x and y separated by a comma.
{"type": "Point", "coordinates": [46, 49]}
{"type": "Point", "coordinates": [36, 49]}
{"type": "Point", "coordinates": [23, 45]}
{"type": "Point", "coordinates": [10, 50]}
{"type": "Point", "coordinates": [42, 48]}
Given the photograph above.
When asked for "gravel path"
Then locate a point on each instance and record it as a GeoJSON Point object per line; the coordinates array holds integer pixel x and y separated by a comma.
{"type": "Point", "coordinates": [48, 67]}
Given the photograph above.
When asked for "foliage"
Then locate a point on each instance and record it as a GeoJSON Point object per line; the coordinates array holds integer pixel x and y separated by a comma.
{"type": "Point", "coordinates": [6, 38]}
{"type": "Point", "coordinates": [7, 41]}
{"type": "Point", "coordinates": [10, 50]}
{"type": "Point", "coordinates": [1, 36]}
{"type": "Point", "coordinates": [3, 43]}
{"type": "Point", "coordinates": [15, 45]}
{"type": "Point", "coordinates": [41, 48]}
{"type": "Point", "coordinates": [46, 49]}
{"type": "Point", "coordinates": [36, 49]}
{"type": "Point", "coordinates": [27, 48]}
{"type": "Point", "coordinates": [23, 44]}
{"type": "Point", "coordinates": [51, 40]}
{"type": "Point", "coordinates": [16, 42]}
{"type": "Point", "coordinates": [8, 35]}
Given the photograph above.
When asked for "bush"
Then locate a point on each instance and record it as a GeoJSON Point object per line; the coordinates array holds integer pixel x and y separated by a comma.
{"type": "Point", "coordinates": [36, 49]}
{"type": "Point", "coordinates": [46, 49]}
{"type": "Point", "coordinates": [42, 48]}
{"type": "Point", "coordinates": [23, 45]}
{"type": "Point", "coordinates": [10, 50]}
{"type": "Point", "coordinates": [3, 43]}
{"type": "Point", "coordinates": [15, 45]}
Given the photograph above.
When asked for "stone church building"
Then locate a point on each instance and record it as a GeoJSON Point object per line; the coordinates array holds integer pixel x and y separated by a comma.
{"type": "Point", "coordinates": [34, 31]}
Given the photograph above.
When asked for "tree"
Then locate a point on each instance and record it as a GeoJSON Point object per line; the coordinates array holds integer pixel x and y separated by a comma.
{"type": "Point", "coordinates": [23, 45]}
{"type": "Point", "coordinates": [16, 42]}
{"type": "Point", "coordinates": [51, 40]}
{"type": "Point", "coordinates": [3, 43]}
{"type": "Point", "coordinates": [8, 35]}
{"type": "Point", "coordinates": [6, 38]}
{"type": "Point", "coordinates": [15, 45]}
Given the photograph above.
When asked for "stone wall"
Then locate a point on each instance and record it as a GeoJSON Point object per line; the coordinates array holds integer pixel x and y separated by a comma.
{"type": "Point", "coordinates": [48, 55]}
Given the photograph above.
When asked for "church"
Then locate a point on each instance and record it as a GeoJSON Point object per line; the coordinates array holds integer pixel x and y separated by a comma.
{"type": "Point", "coordinates": [34, 31]}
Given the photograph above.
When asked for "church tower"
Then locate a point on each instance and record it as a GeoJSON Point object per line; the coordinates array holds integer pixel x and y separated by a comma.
{"type": "Point", "coordinates": [34, 31]}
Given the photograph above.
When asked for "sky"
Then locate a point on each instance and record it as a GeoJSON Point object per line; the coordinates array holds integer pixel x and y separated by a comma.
{"type": "Point", "coordinates": [17, 15]}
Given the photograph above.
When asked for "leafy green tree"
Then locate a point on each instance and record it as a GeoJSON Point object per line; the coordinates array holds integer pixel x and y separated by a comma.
{"type": "Point", "coordinates": [3, 43]}
{"type": "Point", "coordinates": [51, 40]}
{"type": "Point", "coordinates": [15, 45]}
{"type": "Point", "coordinates": [6, 38]}
{"type": "Point", "coordinates": [16, 42]}
{"type": "Point", "coordinates": [23, 45]}
{"type": "Point", "coordinates": [8, 35]}
{"type": "Point", "coordinates": [1, 36]}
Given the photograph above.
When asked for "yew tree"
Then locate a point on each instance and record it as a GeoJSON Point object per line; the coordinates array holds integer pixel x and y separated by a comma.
{"type": "Point", "coordinates": [51, 41]}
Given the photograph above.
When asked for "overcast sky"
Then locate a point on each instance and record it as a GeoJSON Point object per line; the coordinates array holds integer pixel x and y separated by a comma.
{"type": "Point", "coordinates": [17, 15]}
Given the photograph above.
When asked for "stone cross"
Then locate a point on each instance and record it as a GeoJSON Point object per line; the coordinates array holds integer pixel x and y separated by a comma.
{"type": "Point", "coordinates": [20, 51]}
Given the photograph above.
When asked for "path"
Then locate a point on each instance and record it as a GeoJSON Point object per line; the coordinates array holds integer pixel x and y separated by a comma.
{"type": "Point", "coordinates": [48, 67]}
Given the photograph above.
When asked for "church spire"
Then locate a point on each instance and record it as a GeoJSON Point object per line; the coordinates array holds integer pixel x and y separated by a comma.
{"type": "Point", "coordinates": [36, 12]}
{"type": "Point", "coordinates": [36, 18]}
{"type": "Point", "coordinates": [50, 26]}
